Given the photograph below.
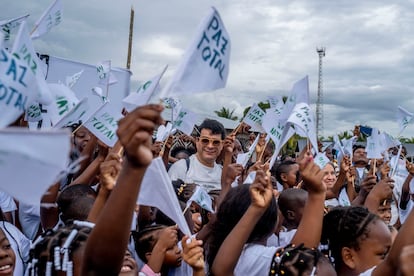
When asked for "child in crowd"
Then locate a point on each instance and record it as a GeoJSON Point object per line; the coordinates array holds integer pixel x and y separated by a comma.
{"type": "Point", "coordinates": [157, 247]}
{"type": "Point", "coordinates": [360, 243]}
{"type": "Point", "coordinates": [291, 204]}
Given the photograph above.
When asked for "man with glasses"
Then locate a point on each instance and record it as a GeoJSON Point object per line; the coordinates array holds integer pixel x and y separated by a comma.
{"type": "Point", "coordinates": [202, 168]}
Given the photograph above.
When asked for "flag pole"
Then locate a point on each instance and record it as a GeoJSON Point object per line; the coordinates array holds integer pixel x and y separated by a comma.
{"type": "Point", "coordinates": [131, 30]}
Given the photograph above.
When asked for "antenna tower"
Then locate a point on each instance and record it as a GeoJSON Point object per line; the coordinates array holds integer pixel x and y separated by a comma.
{"type": "Point", "coordinates": [319, 102]}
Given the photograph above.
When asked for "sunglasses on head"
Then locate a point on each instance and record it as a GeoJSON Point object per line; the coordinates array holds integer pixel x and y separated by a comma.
{"type": "Point", "coordinates": [205, 141]}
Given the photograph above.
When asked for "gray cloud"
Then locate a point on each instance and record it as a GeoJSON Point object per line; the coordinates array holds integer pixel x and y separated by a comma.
{"type": "Point", "coordinates": [368, 68]}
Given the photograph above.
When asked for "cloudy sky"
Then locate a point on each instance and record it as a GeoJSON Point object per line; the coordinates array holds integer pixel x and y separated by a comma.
{"type": "Point", "coordinates": [368, 69]}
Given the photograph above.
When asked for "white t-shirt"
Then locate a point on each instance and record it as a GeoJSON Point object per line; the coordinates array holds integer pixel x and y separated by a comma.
{"type": "Point", "coordinates": [255, 259]}
{"type": "Point", "coordinates": [207, 177]}
{"type": "Point", "coordinates": [29, 216]}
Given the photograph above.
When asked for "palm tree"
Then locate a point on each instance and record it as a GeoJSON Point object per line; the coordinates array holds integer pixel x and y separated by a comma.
{"type": "Point", "coordinates": [226, 113]}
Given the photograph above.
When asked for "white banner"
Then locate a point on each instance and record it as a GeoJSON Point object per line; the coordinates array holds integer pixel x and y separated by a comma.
{"type": "Point", "coordinates": [205, 65]}
{"type": "Point", "coordinates": [144, 93]}
{"type": "Point", "coordinates": [30, 161]}
{"type": "Point", "coordinates": [17, 83]}
{"type": "Point", "coordinates": [49, 19]}
{"type": "Point", "coordinates": [59, 69]}
{"type": "Point", "coordinates": [103, 124]}
{"type": "Point", "coordinates": [23, 50]}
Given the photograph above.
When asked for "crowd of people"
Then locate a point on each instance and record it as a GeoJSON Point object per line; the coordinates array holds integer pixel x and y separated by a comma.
{"type": "Point", "coordinates": [351, 217]}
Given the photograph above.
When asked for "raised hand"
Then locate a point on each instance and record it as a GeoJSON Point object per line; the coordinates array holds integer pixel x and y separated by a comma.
{"type": "Point", "coordinates": [261, 191]}
{"type": "Point", "coordinates": [135, 133]}
{"type": "Point", "coordinates": [383, 190]}
{"type": "Point", "coordinates": [229, 143]}
{"type": "Point", "coordinates": [168, 237]}
{"type": "Point", "coordinates": [368, 183]}
{"type": "Point", "coordinates": [193, 253]}
{"type": "Point", "coordinates": [109, 170]}
{"type": "Point", "coordinates": [311, 174]}
{"type": "Point", "coordinates": [385, 170]}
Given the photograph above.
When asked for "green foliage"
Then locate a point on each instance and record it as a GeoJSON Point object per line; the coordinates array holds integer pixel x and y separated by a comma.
{"type": "Point", "coordinates": [226, 113]}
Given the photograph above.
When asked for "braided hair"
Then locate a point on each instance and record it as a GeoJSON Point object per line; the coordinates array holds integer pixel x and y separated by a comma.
{"type": "Point", "coordinates": [295, 260]}
{"type": "Point", "coordinates": [54, 250]}
{"type": "Point", "coordinates": [345, 227]}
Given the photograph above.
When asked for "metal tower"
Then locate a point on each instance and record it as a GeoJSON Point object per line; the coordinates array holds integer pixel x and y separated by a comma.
{"type": "Point", "coordinates": [319, 102]}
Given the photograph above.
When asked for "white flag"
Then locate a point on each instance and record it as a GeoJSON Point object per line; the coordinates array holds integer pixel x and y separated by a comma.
{"type": "Point", "coordinates": [185, 121]}
{"type": "Point", "coordinates": [348, 145]}
{"type": "Point", "coordinates": [72, 80]}
{"type": "Point", "coordinates": [243, 158]}
{"type": "Point", "coordinates": [64, 100]}
{"type": "Point", "coordinates": [33, 113]}
{"type": "Point", "coordinates": [144, 93]}
{"type": "Point", "coordinates": [205, 65]}
{"type": "Point", "coordinates": [321, 160]}
{"type": "Point", "coordinates": [276, 102]}
{"type": "Point", "coordinates": [104, 73]}
{"type": "Point", "coordinates": [49, 19]}
{"type": "Point", "coordinates": [103, 124]}
{"type": "Point", "coordinates": [404, 118]}
{"type": "Point", "coordinates": [373, 147]}
{"type": "Point", "coordinates": [8, 25]}
{"type": "Point", "coordinates": [163, 132]}
{"type": "Point", "coordinates": [17, 83]}
{"type": "Point", "coordinates": [30, 161]}
{"type": "Point", "coordinates": [157, 191]}
{"type": "Point", "coordinates": [288, 132]}
{"type": "Point", "coordinates": [75, 115]}
{"type": "Point", "coordinates": [254, 118]}
{"type": "Point", "coordinates": [202, 198]}
{"type": "Point", "coordinates": [303, 120]}
{"type": "Point", "coordinates": [23, 50]}
{"type": "Point", "coordinates": [298, 94]}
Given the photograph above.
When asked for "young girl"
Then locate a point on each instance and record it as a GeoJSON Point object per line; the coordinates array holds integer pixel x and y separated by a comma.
{"type": "Point", "coordinates": [360, 242]}
{"type": "Point", "coordinates": [157, 247]}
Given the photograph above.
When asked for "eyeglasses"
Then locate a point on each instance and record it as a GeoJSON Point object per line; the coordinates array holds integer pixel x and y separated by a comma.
{"type": "Point", "coordinates": [206, 141]}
